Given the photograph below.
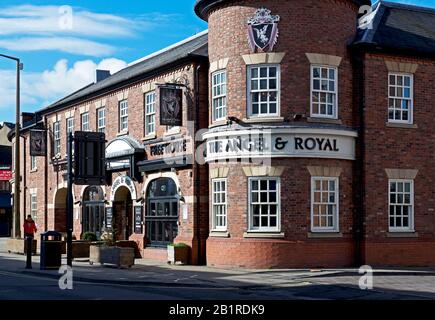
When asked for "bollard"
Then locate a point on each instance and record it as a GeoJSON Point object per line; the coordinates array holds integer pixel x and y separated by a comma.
{"type": "Point", "coordinates": [29, 252]}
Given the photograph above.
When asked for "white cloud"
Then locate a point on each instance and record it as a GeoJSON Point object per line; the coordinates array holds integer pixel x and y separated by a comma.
{"type": "Point", "coordinates": [69, 29]}
{"type": "Point", "coordinates": [65, 20]}
{"type": "Point", "coordinates": [41, 89]}
{"type": "Point", "coordinates": [67, 45]}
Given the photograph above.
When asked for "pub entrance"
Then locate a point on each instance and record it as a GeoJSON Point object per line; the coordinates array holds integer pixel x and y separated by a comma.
{"type": "Point", "coordinates": [123, 214]}
{"type": "Point", "coordinates": [93, 210]}
{"type": "Point", "coordinates": [161, 217]}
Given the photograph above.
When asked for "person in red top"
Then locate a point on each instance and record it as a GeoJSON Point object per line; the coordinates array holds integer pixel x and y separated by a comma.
{"type": "Point", "coordinates": [29, 227]}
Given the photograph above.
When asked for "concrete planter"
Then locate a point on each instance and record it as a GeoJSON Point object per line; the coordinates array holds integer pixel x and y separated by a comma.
{"type": "Point", "coordinates": [120, 257]}
{"type": "Point", "coordinates": [19, 246]}
{"type": "Point", "coordinates": [178, 253]}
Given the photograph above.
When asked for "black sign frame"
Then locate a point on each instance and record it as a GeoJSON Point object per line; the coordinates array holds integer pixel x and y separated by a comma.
{"type": "Point", "coordinates": [89, 158]}
{"type": "Point", "coordinates": [38, 143]}
{"type": "Point", "coordinates": [171, 105]}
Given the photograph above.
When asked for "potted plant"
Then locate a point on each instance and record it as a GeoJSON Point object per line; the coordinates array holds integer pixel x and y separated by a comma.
{"type": "Point", "coordinates": [108, 253]}
{"type": "Point", "coordinates": [178, 252]}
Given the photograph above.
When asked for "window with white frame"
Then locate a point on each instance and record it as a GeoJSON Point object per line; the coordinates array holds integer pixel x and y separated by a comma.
{"type": "Point", "coordinates": [101, 120]}
{"type": "Point", "coordinates": [56, 136]}
{"type": "Point", "coordinates": [219, 95]}
{"type": "Point", "coordinates": [34, 205]}
{"type": "Point", "coordinates": [150, 113]}
{"type": "Point", "coordinates": [69, 129]}
{"type": "Point", "coordinates": [324, 204]}
{"type": "Point", "coordinates": [263, 90]}
{"type": "Point", "coordinates": [324, 92]}
{"type": "Point", "coordinates": [400, 98]}
{"type": "Point", "coordinates": [123, 115]}
{"type": "Point", "coordinates": [219, 204]}
{"type": "Point", "coordinates": [401, 205]}
{"type": "Point", "coordinates": [85, 122]}
{"type": "Point", "coordinates": [264, 208]}
{"type": "Point", "coordinates": [33, 164]}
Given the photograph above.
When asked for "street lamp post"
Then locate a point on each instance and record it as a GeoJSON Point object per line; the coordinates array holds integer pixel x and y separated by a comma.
{"type": "Point", "coordinates": [16, 231]}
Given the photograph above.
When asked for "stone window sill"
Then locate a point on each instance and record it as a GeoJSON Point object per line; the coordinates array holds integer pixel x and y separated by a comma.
{"type": "Point", "coordinates": [323, 235]}
{"type": "Point", "coordinates": [172, 132]}
{"type": "Point", "coordinates": [149, 137]}
{"type": "Point", "coordinates": [219, 234]}
{"type": "Point", "coordinates": [122, 133]}
{"type": "Point", "coordinates": [324, 120]}
{"type": "Point", "coordinates": [401, 125]}
{"type": "Point", "coordinates": [402, 234]}
{"type": "Point", "coordinates": [218, 124]}
{"type": "Point", "coordinates": [263, 119]}
{"type": "Point", "coordinates": [34, 170]}
{"type": "Point", "coordinates": [271, 235]}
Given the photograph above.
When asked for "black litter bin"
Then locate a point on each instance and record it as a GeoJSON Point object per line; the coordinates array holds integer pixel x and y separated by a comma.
{"type": "Point", "coordinates": [51, 250]}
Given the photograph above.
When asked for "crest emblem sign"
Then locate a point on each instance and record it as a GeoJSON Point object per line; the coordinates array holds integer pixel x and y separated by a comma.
{"type": "Point", "coordinates": [263, 30]}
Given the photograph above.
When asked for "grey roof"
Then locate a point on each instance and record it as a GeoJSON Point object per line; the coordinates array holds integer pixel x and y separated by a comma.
{"type": "Point", "coordinates": [202, 7]}
{"type": "Point", "coordinates": [400, 28]}
{"type": "Point", "coordinates": [191, 47]}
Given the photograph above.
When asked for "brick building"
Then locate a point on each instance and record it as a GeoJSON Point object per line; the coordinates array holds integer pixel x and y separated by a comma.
{"type": "Point", "coordinates": [319, 148]}
{"type": "Point", "coordinates": [5, 177]}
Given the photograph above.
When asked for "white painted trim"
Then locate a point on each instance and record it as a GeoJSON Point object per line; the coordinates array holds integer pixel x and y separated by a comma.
{"type": "Point", "coordinates": [122, 184]}
{"type": "Point", "coordinates": [333, 132]}
{"type": "Point", "coordinates": [212, 203]}
{"type": "Point", "coordinates": [411, 227]}
{"type": "Point", "coordinates": [336, 111]}
{"type": "Point", "coordinates": [336, 227]}
{"type": "Point", "coordinates": [278, 195]}
{"type": "Point", "coordinates": [155, 176]}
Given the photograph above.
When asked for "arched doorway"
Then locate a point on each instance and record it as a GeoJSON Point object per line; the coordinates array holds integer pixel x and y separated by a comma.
{"type": "Point", "coordinates": [161, 217]}
{"type": "Point", "coordinates": [60, 210]}
{"type": "Point", "coordinates": [93, 210]}
{"type": "Point", "coordinates": [123, 213]}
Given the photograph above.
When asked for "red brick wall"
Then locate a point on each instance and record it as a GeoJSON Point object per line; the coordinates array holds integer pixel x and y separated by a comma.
{"type": "Point", "coordinates": [301, 31]}
{"type": "Point", "coordinates": [397, 148]}
{"type": "Point", "coordinates": [295, 221]}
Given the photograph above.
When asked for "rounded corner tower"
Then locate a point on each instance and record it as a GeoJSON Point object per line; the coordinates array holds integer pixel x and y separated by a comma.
{"type": "Point", "coordinates": [281, 145]}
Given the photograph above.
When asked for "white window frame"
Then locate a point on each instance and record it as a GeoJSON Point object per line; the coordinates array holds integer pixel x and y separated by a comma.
{"type": "Point", "coordinates": [335, 92]}
{"type": "Point", "coordinates": [123, 114]}
{"type": "Point", "coordinates": [56, 137]}
{"type": "Point", "coordinates": [223, 204]}
{"type": "Point", "coordinates": [34, 205]}
{"type": "Point", "coordinates": [251, 228]}
{"type": "Point", "coordinates": [85, 126]}
{"type": "Point", "coordinates": [410, 228]}
{"type": "Point", "coordinates": [336, 217]}
{"type": "Point", "coordinates": [150, 112]}
{"type": "Point", "coordinates": [278, 91]}
{"type": "Point", "coordinates": [411, 99]}
{"type": "Point", "coordinates": [33, 163]}
{"type": "Point", "coordinates": [101, 119]}
{"type": "Point", "coordinates": [223, 96]}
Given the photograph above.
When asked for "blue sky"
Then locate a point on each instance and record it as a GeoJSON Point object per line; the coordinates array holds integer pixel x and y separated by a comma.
{"type": "Point", "coordinates": [61, 43]}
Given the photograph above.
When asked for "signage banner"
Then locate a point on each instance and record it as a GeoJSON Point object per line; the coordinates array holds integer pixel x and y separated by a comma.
{"type": "Point", "coordinates": [109, 217]}
{"type": "Point", "coordinates": [320, 143]}
{"type": "Point", "coordinates": [138, 217]}
{"type": "Point", "coordinates": [5, 175]}
{"type": "Point", "coordinates": [171, 105]}
{"type": "Point", "coordinates": [38, 143]}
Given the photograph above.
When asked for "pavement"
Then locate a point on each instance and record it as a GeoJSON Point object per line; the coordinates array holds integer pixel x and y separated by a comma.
{"type": "Point", "coordinates": [241, 283]}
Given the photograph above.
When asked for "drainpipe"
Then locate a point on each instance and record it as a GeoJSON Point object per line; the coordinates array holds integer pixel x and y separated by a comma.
{"type": "Point", "coordinates": [197, 174]}
{"type": "Point", "coordinates": [46, 176]}
{"type": "Point", "coordinates": [361, 208]}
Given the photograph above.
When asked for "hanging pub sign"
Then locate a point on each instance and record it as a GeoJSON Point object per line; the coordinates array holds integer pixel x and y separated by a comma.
{"type": "Point", "coordinates": [38, 143]}
{"type": "Point", "coordinates": [263, 30]}
{"type": "Point", "coordinates": [89, 158]}
{"type": "Point", "coordinates": [171, 105]}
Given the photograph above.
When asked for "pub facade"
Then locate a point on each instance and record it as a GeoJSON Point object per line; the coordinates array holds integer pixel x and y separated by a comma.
{"type": "Point", "coordinates": [303, 140]}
